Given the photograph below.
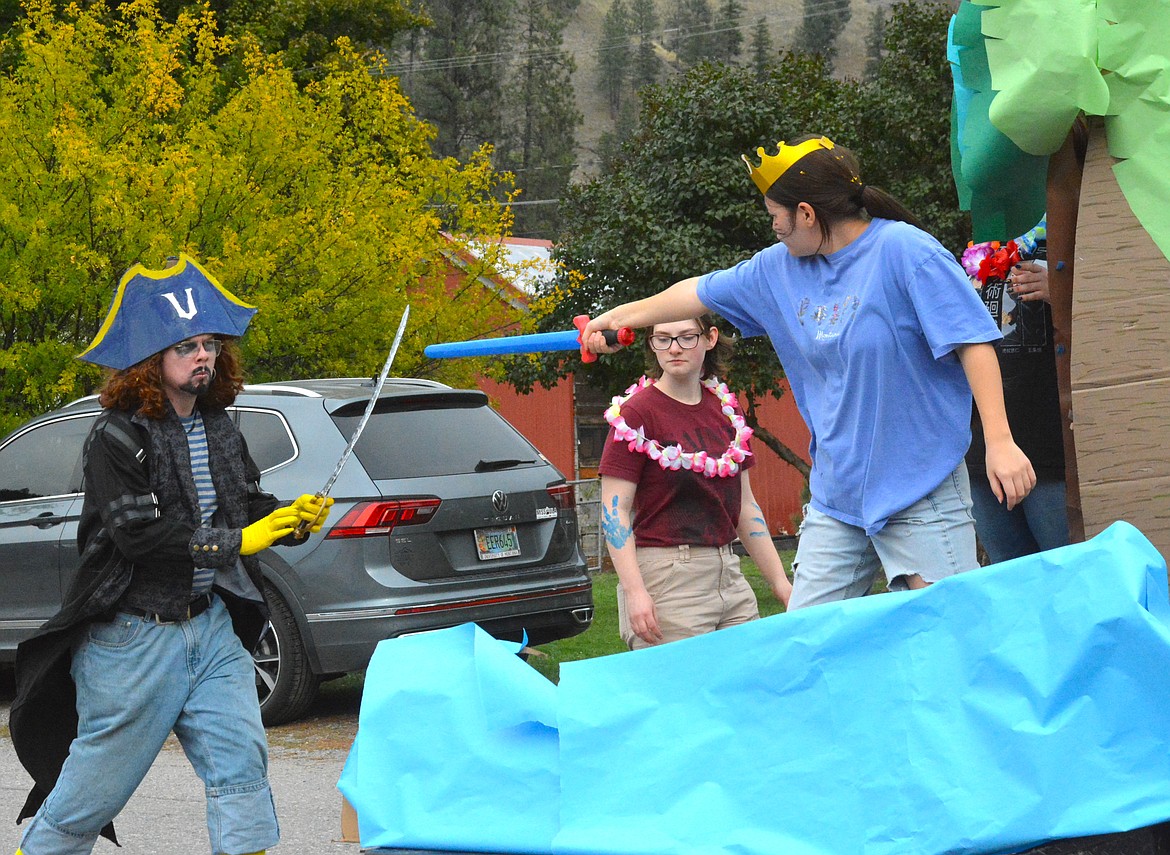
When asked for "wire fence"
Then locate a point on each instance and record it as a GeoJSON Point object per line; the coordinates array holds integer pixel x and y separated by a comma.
{"type": "Point", "coordinates": [588, 492]}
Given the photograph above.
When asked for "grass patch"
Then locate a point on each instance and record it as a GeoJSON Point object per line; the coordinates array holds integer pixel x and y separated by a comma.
{"type": "Point", "coordinates": [602, 639]}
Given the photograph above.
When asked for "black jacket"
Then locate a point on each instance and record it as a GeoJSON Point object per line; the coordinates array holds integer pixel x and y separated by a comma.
{"type": "Point", "coordinates": [138, 536]}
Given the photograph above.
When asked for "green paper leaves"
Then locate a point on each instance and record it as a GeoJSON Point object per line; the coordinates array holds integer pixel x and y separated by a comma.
{"type": "Point", "coordinates": [1032, 66]}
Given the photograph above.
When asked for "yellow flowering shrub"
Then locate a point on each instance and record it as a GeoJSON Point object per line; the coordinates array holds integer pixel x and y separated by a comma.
{"type": "Point", "coordinates": [124, 140]}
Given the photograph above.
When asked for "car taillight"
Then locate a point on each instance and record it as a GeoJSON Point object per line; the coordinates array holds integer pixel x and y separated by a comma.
{"type": "Point", "coordinates": [563, 496]}
{"type": "Point", "coordinates": [369, 519]}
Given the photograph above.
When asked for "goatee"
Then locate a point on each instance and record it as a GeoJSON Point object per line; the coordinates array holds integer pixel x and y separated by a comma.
{"type": "Point", "coordinates": [199, 384]}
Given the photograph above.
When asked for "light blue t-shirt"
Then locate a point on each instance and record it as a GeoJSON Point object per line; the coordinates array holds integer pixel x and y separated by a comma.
{"type": "Point", "coordinates": [866, 336]}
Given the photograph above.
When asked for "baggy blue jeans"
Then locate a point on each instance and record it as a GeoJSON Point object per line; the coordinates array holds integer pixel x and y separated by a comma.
{"type": "Point", "coordinates": [1038, 523]}
{"type": "Point", "coordinates": [138, 680]}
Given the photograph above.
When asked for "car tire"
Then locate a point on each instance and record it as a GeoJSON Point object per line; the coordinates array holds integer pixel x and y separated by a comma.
{"type": "Point", "coordinates": [285, 682]}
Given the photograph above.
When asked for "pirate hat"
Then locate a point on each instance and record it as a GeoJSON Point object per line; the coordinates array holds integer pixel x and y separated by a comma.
{"type": "Point", "coordinates": [153, 309]}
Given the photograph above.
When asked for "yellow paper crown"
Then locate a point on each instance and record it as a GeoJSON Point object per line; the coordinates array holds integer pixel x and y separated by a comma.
{"type": "Point", "coordinates": [772, 166]}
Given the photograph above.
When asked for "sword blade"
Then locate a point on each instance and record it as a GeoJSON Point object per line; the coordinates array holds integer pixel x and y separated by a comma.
{"type": "Point", "coordinates": [361, 425]}
{"type": "Point", "coordinates": [303, 526]}
{"type": "Point", "coordinates": [534, 343]}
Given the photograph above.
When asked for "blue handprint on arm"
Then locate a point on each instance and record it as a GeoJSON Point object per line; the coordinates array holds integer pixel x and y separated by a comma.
{"type": "Point", "coordinates": [616, 533]}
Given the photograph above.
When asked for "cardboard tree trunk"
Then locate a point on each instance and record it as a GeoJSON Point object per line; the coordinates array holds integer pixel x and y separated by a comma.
{"type": "Point", "coordinates": [1120, 361]}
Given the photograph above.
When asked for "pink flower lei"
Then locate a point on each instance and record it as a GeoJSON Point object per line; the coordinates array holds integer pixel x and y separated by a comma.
{"type": "Point", "coordinates": [672, 456]}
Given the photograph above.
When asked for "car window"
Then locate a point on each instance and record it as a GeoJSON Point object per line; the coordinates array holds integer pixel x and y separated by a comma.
{"type": "Point", "coordinates": [269, 439]}
{"type": "Point", "coordinates": [44, 461]}
{"type": "Point", "coordinates": [417, 443]}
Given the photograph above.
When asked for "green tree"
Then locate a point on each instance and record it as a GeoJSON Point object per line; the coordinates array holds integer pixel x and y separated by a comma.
{"type": "Point", "coordinates": [903, 113]}
{"type": "Point", "coordinates": [821, 25]}
{"type": "Point", "coordinates": [304, 31]}
{"type": "Point", "coordinates": [613, 62]}
{"type": "Point", "coordinates": [628, 61]}
{"type": "Point", "coordinates": [457, 83]}
{"type": "Point", "coordinates": [677, 201]}
{"type": "Point", "coordinates": [540, 116]}
{"type": "Point", "coordinates": [611, 143]}
{"type": "Point", "coordinates": [727, 38]}
{"type": "Point", "coordinates": [647, 65]}
{"type": "Point", "coordinates": [875, 42]}
{"type": "Point", "coordinates": [761, 49]}
{"type": "Point", "coordinates": [694, 30]}
{"type": "Point", "coordinates": [321, 204]}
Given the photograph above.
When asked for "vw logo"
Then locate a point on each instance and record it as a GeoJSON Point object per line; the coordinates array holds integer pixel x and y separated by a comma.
{"type": "Point", "coordinates": [500, 501]}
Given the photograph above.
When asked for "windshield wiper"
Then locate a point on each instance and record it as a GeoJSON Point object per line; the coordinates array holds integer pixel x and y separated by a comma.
{"type": "Point", "coordinates": [505, 463]}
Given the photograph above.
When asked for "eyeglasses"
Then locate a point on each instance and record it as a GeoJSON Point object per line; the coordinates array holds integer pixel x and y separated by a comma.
{"type": "Point", "coordinates": [687, 341]}
{"type": "Point", "coordinates": [190, 348]}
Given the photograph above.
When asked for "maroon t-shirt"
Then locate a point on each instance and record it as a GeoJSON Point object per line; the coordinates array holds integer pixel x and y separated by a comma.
{"type": "Point", "coordinates": [677, 507]}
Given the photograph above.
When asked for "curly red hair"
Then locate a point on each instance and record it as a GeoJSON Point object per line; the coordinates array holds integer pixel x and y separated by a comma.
{"type": "Point", "coordinates": [139, 388]}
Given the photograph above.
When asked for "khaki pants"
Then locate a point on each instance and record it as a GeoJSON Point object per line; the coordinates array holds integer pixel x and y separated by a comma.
{"type": "Point", "coordinates": [696, 589]}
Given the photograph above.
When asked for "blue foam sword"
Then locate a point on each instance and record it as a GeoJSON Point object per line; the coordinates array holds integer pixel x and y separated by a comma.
{"type": "Point", "coordinates": [534, 343]}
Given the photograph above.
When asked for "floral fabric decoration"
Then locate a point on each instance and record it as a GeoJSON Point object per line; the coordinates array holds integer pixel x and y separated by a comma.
{"type": "Point", "coordinates": [673, 457]}
{"type": "Point", "coordinates": [990, 260]}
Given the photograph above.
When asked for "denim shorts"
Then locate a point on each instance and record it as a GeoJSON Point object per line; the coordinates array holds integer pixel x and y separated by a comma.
{"type": "Point", "coordinates": [934, 538]}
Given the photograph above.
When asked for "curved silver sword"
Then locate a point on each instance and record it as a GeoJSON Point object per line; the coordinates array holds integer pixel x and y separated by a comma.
{"type": "Point", "coordinates": [303, 526]}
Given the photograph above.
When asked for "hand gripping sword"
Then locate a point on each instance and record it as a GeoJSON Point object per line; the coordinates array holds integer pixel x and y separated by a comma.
{"type": "Point", "coordinates": [303, 526]}
{"type": "Point", "coordinates": [535, 343]}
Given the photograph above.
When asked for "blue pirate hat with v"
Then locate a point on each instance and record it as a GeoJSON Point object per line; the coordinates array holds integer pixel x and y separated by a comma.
{"type": "Point", "coordinates": [153, 309]}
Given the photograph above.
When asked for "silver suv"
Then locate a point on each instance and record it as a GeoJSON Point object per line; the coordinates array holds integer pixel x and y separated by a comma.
{"type": "Point", "coordinates": [445, 514]}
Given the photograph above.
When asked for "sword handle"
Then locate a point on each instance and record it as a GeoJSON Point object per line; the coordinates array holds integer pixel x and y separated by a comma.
{"type": "Point", "coordinates": [302, 529]}
{"type": "Point", "coordinates": [624, 337]}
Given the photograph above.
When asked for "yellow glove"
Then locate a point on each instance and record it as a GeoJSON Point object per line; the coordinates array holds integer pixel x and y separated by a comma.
{"type": "Point", "coordinates": [265, 532]}
{"type": "Point", "coordinates": [314, 510]}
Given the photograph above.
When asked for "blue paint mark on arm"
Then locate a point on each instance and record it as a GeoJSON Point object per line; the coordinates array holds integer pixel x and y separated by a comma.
{"type": "Point", "coordinates": [616, 533]}
{"type": "Point", "coordinates": [760, 522]}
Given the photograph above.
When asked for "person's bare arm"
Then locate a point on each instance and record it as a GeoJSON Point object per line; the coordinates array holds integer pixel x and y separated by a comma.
{"type": "Point", "coordinates": [757, 540]}
{"type": "Point", "coordinates": [617, 515]}
{"type": "Point", "coordinates": [679, 302]}
{"type": "Point", "coordinates": [1009, 471]}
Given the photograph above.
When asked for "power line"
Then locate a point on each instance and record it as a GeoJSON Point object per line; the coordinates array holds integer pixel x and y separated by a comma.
{"type": "Point", "coordinates": [531, 202]}
{"type": "Point", "coordinates": [512, 57]}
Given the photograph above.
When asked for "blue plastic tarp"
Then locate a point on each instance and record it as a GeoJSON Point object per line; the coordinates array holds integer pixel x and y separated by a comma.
{"type": "Point", "coordinates": [456, 747]}
{"type": "Point", "coordinates": [989, 713]}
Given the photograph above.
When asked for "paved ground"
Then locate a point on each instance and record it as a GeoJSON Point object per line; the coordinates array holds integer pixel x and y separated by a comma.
{"type": "Point", "coordinates": [166, 815]}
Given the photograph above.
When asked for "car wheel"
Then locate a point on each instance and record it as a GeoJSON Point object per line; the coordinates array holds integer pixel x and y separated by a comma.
{"type": "Point", "coordinates": [285, 683]}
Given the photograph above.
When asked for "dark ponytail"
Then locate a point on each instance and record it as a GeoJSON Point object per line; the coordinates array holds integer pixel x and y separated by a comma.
{"type": "Point", "coordinates": [829, 180]}
{"type": "Point", "coordinates": [878, 203]}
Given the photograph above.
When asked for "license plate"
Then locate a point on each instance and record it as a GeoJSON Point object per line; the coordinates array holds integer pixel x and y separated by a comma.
{"type": "Point", "coordinates": [497, 542]}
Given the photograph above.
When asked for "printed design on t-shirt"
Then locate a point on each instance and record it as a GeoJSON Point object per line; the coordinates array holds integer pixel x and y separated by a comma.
{"type": "Point", "coordinates": [692, 491]}
{"type": "Point", "coordinates": [701, 438]}
{"type": "Point", "coordinates": [830, 319]}
{"type": "Point", "coordinates": [685, 515]}
{"type": "Point", "coordinates": [1022, 324]}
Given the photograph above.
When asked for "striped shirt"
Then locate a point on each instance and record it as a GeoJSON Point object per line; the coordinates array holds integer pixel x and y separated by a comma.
{"type": "Point", "coordinates": [208, 501]}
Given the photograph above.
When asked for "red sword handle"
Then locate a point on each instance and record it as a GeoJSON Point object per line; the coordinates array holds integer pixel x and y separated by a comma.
{"type": "Point", "coordinates": [624, 337]}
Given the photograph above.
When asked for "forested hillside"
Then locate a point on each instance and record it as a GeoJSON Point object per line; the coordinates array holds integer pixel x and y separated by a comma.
{"type": "Point", "coordinates": [552, 84]}
{"type": "Point", "coordinates": [584, 38]}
